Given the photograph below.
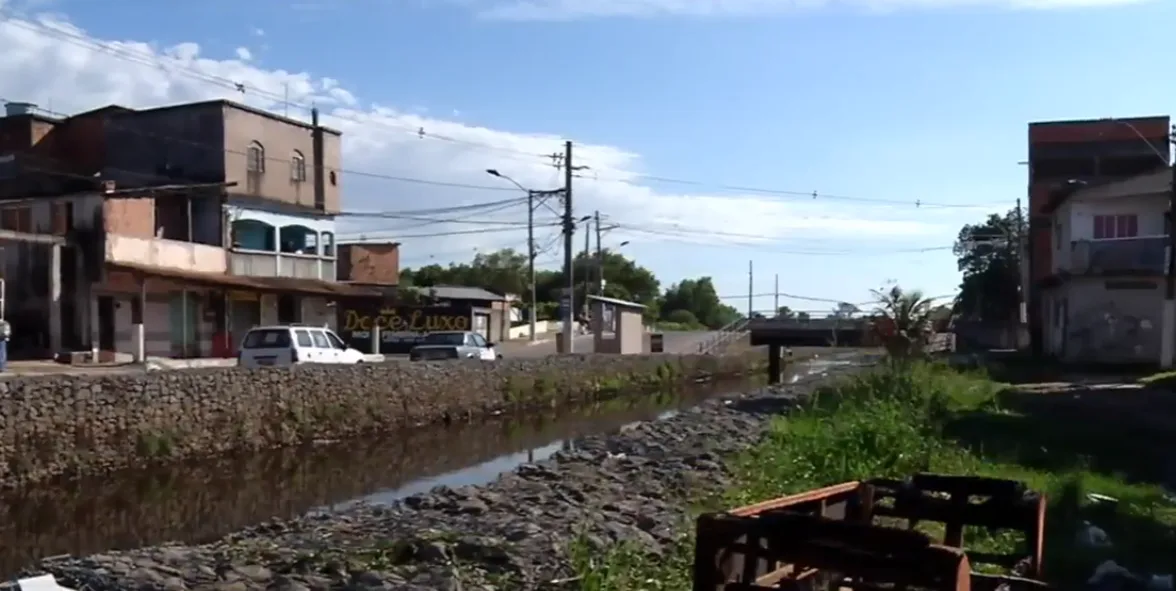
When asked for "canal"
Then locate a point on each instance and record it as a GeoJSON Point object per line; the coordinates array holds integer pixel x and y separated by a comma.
{"type": "Point", "coordinates": [199, 502]}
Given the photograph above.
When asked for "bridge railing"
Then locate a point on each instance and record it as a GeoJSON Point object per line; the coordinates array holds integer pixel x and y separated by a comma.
{"type": "Point", "coordinates": [726, 335]}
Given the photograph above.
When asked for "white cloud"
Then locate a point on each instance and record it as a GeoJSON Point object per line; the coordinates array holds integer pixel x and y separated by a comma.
{"type": "Point", "coordinates": [574, 9]}
{"type": "Point", "coordinates": [388, 141]}
{"type": "Point", "coordinates": [244, 54]}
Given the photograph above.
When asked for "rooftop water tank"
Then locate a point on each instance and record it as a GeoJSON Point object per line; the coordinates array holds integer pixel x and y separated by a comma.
{"type": "Point", "coordinates": [13, 109]}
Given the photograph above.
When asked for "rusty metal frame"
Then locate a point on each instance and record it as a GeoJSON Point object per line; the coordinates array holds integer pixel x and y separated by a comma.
{"type": "Point", "coordinates": [830, 537]}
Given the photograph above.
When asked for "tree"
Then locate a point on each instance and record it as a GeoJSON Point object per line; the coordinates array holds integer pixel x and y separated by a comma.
{"type": "Point", "coordinates": [624, 279]}
{"type": "Point", "coordinates": [784, 312]}
{"type": "Point", "coordinates": [989, 258]}
{"type": "Point", "coordinates": [802, 316]}
{"type": "Point", "coordinates": [699, 297]}
{"type": "Point", "coordinates": [683, 318]}
{"type": "Point", "coordinates": [906, 321]}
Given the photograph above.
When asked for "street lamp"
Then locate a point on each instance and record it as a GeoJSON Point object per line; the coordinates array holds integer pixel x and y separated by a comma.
{"type": "Point", "coordinates": [530, 239]}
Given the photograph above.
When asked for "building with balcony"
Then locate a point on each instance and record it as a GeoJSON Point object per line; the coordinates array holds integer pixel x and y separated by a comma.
{"type": "Point", "coordinates": [223, 210]}
{"type": "Point", "coordinates": [1103, 294]}
{"type": "Point", "coordinates": [126, 289]}
{"type": "Point", "coordinates": [1094, 151]}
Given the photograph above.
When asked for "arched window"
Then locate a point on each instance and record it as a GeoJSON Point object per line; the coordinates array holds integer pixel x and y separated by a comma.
{"type": "Point", "coordinates": [256, 158]}
{"type": "Point", "coordinates": [297, 167]}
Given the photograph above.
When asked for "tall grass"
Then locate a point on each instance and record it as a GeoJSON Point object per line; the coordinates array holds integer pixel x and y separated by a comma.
{"type": "Point", "coordinates": [894, 421]}
{"type": "Point", "coordinates": [887, 422]}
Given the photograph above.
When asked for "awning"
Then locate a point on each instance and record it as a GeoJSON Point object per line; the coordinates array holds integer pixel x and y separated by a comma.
{"type": "Point", "coordinates": [267, 284]}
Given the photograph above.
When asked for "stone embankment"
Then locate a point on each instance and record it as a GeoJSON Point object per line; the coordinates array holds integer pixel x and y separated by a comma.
{"type": "Point", "coordinates": [512, 534]}
{"type": "Point", "coordinates": [71, 425]}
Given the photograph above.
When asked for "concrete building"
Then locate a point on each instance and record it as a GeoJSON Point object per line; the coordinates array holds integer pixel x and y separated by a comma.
{"type": "Point", "coordinates": [1103, 292]}
{"type": "Point", "coordinates": [197, 221]}
{"type": "Point", "coordinates": [1085, 151]}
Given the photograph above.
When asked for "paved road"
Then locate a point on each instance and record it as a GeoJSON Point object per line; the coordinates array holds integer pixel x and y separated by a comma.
{"type": "Point", "coordinates": [675, 342]}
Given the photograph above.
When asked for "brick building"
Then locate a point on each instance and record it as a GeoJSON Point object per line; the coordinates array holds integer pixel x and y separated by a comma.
{"type": "Point", "coordinates": [180, 227]}
{"type": "Point", "coordinates": [1075, 158]}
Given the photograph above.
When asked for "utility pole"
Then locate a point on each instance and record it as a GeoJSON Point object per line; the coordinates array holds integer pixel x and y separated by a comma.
{"type": "Point", "coordinates": [531, 257]}
{"type": "Point", "coordinates": [750, 289]}
{"type": "Point", "coordinates": [777, 302]}
{"type": "Point", "coordinates": [1168, 312]}
{"type": "Point", "coordinates": [569, 228]}
{"type": "Point", "coordinates": [599, 257]}
{"type": "Point", "coordinates": [1022, 272]}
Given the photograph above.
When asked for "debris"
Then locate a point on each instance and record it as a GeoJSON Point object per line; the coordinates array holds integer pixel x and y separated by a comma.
{"type": "Point", "coordinates": [41, 583]}
{"type": "Point", "coordinates": [1093, 536]}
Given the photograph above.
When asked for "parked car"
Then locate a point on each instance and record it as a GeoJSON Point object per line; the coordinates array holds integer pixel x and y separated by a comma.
{"type": "Point", "coordinates": [280, 346]}
{"type": "Point", "coordinates": [454, 345]}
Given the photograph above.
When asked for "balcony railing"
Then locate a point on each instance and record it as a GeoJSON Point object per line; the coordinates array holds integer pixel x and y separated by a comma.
{"type": "Point", "coordinates": [1145, 254]}
{"type": "Point", "coordinates": [271, 264]}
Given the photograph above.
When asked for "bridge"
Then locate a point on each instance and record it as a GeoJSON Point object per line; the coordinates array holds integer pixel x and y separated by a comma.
{"type": "Point", "coordinates": [777, 333]}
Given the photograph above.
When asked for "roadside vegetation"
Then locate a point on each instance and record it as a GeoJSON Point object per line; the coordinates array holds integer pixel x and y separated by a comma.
{"type": "Point", "coordinates": [912, 415]}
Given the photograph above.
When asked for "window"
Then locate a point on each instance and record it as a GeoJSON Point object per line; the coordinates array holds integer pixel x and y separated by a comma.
{"type": "Point", "coordinates": [320, 341]}
{"type": "Point", "coordinates": [444, 338]}
{"type": "Point", "coordinates": [303, 338]}
{"type": "Point", "coordinates": [335, 340]}
{"type": "Point", "coordinates": [278, 338]}
{"type": "Point", "coordinates": [297, 167]}
{"type": "Point", "coordinates": [1116, 226]}
{"type": "Point", "coordinates": [479, 341]}
{"type": "Point", "coordinates": [17, 219]}
{"type": "Point", "coordinates": [256, 158]}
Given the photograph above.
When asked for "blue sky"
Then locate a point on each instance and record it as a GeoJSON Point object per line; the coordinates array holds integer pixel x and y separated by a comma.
{"type": "Point", "coordinates": [901, 100]}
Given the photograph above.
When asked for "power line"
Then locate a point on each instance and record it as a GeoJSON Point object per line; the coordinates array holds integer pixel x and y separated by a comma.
{"type": "Point", "coordinates": [767, 242]}
{"type": "Point", "coordinates": [171, 65]}
{"type": "Point", "coordinates": [361, 236]}
{"type": "Point", "coordinates": [918, 203]}
{"type": "Point", "coordinates": [268, 158]}
{"type": "Point", "coordinates": [156, 61]}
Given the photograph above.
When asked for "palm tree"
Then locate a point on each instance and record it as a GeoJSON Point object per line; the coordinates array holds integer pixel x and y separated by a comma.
{"type": "Point", "coordinates": [907, 321]}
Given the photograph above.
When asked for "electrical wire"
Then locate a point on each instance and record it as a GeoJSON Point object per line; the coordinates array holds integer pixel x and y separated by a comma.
{"type": "Point", "coordinates": [172, 65]}
{"type": "Point", "coordinates": [270, 159]}
{"type": "Point", "coordinates": [766, 243]}
{"type": "Point", "coordinates": [157, 62]}
{"type": "Point", "coordinates": [812, 195]}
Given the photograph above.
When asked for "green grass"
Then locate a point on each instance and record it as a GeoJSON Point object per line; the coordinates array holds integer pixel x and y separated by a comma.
{"type": "Point", "coordinates": [899, 420]}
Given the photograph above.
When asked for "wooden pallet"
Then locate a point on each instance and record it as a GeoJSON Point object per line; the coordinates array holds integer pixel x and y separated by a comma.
{"type": "Point", "coordinates": [832, 537]}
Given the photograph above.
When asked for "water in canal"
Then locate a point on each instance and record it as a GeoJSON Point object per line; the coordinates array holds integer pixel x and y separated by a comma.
{"type": "Point", "coordinates": [202, 501]}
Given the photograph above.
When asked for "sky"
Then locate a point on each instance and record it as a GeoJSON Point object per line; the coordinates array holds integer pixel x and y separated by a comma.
{"type": "Point", "coordinates": [836, 145]}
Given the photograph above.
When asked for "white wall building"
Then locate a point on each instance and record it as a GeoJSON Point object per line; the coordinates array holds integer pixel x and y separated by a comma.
{"type": "Point", "coordinates": [1103, 300]}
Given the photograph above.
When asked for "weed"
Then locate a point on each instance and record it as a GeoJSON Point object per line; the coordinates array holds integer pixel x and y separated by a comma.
{"type": "Point", "coordinates": [904, 418]}
{"type": "Point", "coordinates": [155, 445]}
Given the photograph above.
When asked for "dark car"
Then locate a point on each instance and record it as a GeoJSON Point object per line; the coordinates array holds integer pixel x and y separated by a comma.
{"type": "Point", "coordinates": [454, 345]}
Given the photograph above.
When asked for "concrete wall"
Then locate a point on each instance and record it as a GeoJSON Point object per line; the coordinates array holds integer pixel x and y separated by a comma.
{"type": "Point", "coordinates": [281, 138]}
{"type": "Point", "coordinates": [75, 425]}
{"type": "Point", "coordinates": [172, 254]}
{"type": "Point", "coordinates": [1099, 320]}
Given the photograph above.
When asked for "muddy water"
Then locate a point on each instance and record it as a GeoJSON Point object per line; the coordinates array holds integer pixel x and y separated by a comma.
{"type": "Point", "coordinates": [203, 501]}
{"type": "Point", "coordinates": [198, 502]}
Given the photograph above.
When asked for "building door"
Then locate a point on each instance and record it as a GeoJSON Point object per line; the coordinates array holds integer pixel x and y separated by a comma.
{"type": "Point", "coordinates": [184, 309]}
{"type": "Point", "coordinates": [289, 311]}
{"type": "Point", "coordinates": [482, 325]}
{"type": "Point", "coordinates": [105, 323]}
{"type": "Point", "coordinates": [244, 314]}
